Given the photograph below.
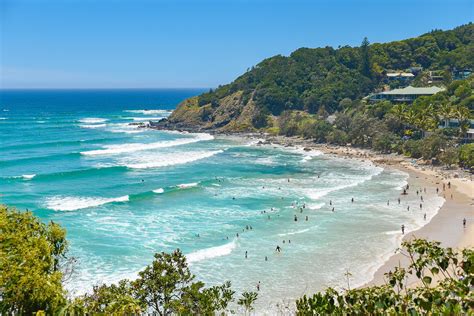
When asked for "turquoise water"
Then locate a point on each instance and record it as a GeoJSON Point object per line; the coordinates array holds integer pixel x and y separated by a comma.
{"type": "Point", "coordinates": [124, 193]}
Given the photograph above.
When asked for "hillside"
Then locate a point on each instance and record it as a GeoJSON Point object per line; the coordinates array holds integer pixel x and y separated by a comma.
{"type": "Point", "coordinates": [313, 80]}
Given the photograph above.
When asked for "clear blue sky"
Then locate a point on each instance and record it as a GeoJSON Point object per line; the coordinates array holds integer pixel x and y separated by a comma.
{"type": "Point", "coordinates": [190, 43]}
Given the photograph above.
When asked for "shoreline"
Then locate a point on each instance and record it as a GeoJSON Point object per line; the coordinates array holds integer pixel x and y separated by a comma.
{"type": "Point", "coordinates": [445, 227]}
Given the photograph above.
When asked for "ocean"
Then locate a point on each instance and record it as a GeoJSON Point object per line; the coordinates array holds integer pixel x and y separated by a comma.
{"type": "Point", "coordinates": [124, 193]}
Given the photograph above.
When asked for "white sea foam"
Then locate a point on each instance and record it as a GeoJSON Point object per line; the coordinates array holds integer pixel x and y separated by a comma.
{"type": "Point", "coordinates": [28, 176]}
{"type": "Point", "coordinates": [92, 120]}
{"type": "Point", "coordinates": [159, 191]}
{"type": "Point", "coordinates": [92, 125]}
{"type": "Point", "coordinates": [167, 159]}
{"type": "Point", "coordinates": [212, 252]}
{"type": "Point", "coordinates": [142, 119]}
{"type": "Point", "coordinates": [72, 203]}
{"type": "Point", "coordinates": [294, 232]}
{"type": "Point", "coordinates": [3, 118]}
{"type": "Point", "coordinates": [187, 185]}
{"type": "Point", "coordinates": [149, 112]}
{"type": "Point", "coordinates": [133, 147]}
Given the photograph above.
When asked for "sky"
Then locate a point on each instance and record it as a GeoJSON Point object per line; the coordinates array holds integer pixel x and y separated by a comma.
{"type": "Point", "coordinates": [191, 43]}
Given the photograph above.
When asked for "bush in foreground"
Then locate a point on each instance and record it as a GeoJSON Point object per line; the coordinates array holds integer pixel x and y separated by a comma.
{"type": "Point", "coordinates": [445, 280]}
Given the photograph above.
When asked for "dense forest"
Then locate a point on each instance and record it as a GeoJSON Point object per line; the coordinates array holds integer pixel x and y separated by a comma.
{"type": "Point", "coordinates": [311, 78]}
{"type": "Point", "coordinates": [294, 96]}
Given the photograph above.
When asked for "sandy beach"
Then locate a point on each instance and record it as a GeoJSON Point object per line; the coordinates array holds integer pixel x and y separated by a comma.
{"type": "Point", "coordinates": [446, 227]}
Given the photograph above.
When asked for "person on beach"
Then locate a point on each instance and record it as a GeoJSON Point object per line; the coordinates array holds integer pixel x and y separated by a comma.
{"type": "Point", "coordinates": [403, 229]}
{"type": "Point", "coordinates": [421, 206]}
{"type": "Point", "coordinates": [464, 223]}
{"type": "Point", "coordinates": [388, 202]}
{"type": "Point", "coordinates": [333, 209]}
{"type": "Point", "coordinates": [258, 286]}
{"type": "Point", "coordinates": [399, 201]}
{"type": "Point", "coordinates": [408, 207]}
{"type": "Point", "coordinates": [404, 192]}
{"type": "Point", "coordinates": [424, 216]}
{"type": "Point", "coordinates": [437, 190]}
{"type": "Point", "coordinates": [449, 184]}
{"type": "Point", "coordinates": [278, 249]}
{"type": "Point", "coordinates": [422, 198]}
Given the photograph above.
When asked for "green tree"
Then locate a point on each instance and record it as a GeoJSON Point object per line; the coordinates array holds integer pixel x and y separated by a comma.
{"type": "Point", "coordinates": [162, 284]}
{"type": "Point", "coordinates": [366, 65]}
{"type": "Point", "coordinates": [247, 301]}
{"type": "Point", "coordinates": [32, 255]}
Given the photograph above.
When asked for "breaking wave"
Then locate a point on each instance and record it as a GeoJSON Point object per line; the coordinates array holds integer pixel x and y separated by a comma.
{"type": "Point", "coordinates": [211, 252]}
{"type": "Point", "coordinates": [71, 203]}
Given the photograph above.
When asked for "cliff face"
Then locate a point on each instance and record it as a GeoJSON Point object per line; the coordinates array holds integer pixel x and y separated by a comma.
{"type": "Point", "coordinates": [232, 114]}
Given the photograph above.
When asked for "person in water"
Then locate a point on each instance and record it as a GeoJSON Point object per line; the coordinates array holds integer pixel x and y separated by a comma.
{"type": "Point", "coordinates": [333, 209]}
{"type": "Point", "coordinates": [246, 254]}
{"type": "Point", "coordinates": [398, 200]}
{"type": "Point", "coordinates": [352, 200]}
{"type": "Point", "coordinates": [278, 248]}
{"type": "Point", "coordinates": [306, 217]}
{"type": "Point", "coordinates": [296, 218]}
{"type": "Point", "coordinates": [388, 202]}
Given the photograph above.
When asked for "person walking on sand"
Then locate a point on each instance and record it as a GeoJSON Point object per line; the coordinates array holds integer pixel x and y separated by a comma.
{"type": "Point", "coordinates": [399, 201]}
{"type": "Point", "coordinates": [421, 206]}
{"type": "Point", "coordinates": [258, 286]}
{"type": "Point", "coordinates": [403, 229]}
{"type": "Point", "coordinates": [449, 184]}
{"type": "Point", "coordinates": [424, 216]}
{"type": "Point", "coordinates": [464, 223]}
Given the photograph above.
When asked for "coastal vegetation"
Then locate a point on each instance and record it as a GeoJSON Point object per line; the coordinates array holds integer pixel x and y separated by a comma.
{"type": "Point", "coordinates": [320, 94]}
{"type": "Point", "coordinates": [35, 267]}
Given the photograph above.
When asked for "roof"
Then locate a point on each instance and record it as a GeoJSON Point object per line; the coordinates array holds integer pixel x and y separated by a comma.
{"type": "Point", "coordinates": [414, 91]}
{"type": "Point", "coordinates": [400, 74]}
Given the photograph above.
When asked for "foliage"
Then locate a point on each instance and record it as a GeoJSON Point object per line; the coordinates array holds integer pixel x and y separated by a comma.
{"type": "Point", "coordinates": [466, 156]}
{"type": "Point", "coordinates": [450, 296]}
{"type": "Point", "coordinates": [31, 257]}
{"type": "Point", "coordinates": [309, 79]}
{"type": "Point", "coordinates": [247, 300]}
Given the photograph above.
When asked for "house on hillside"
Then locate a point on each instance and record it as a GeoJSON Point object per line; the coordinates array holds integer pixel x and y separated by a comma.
{"type": "Point", "coordinates": [460, 74]}
{"type": "Point", "coordinates": [406, 95]}
{"type": "Point", "coordinates": [454, 123]}
{"type": "Point", "coordinates": [402, 76]}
